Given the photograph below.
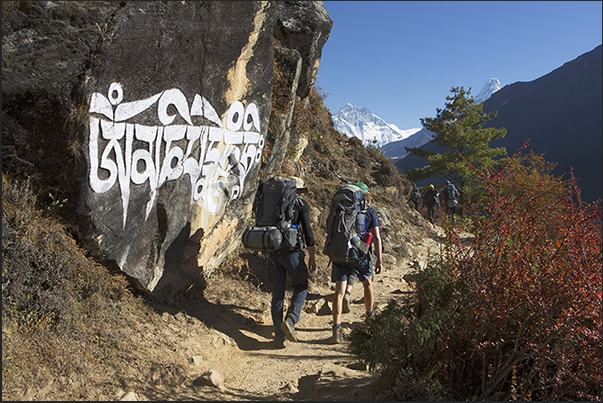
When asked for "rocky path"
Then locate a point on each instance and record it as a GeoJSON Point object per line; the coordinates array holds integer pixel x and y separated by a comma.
{"type": "Point", "coordinates": [226, 346]}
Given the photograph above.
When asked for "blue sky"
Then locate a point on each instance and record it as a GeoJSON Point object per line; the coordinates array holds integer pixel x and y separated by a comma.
{"type": "Point", "coordinates": [401, 58]}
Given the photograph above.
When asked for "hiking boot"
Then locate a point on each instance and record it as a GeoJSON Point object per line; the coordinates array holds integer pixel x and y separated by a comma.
{"type": "Point", "coordinates": [345, 308]}
{"type": "Point", "coordinates": [337, 335]}
{"type": "Point", "coordinates": [369, 315]}
{"type": "Point", "coordinates": [280, 341]}
{"type": "Point", "coordinates": [287, 326]}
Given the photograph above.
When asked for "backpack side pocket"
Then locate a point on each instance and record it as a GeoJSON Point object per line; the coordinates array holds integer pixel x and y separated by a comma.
{"type": "Point", "coordinates": [290, 237]}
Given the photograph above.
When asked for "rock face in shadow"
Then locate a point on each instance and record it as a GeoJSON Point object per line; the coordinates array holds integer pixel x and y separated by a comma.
{"type": "Point", "coordinates": [150, 119]}
{"type": "Point", "coordinates": [560, 113]}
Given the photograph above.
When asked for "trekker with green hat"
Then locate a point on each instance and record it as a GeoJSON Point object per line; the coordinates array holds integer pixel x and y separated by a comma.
{"type": "Point", "coordinates": [362, 187]}
{"type": "Point", "coordinates": [344, 273]}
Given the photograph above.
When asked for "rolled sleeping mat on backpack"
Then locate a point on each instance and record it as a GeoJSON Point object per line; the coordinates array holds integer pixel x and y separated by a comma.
{"type": "Point", "coordinates": [265, 239]}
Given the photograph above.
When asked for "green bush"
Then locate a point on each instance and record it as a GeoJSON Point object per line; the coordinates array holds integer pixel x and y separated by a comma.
{"type": "Point", "coordinates": [403, 342]}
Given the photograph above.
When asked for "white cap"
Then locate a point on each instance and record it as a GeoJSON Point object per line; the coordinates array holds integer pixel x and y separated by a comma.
{"type": "Point", "coordinates": [299, 184]}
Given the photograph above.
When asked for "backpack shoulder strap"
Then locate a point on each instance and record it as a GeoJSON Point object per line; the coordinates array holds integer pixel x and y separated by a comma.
{"type": "Point", "coordinates": [294, 209]}
{"type": "Point", "coordinates": [258, 196]}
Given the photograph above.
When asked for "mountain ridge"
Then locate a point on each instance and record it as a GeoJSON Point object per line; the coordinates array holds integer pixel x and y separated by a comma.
{"type": "Point", "coordinates": [559, 112]}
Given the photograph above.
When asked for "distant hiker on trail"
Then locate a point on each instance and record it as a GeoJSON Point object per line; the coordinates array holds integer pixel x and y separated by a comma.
{"type": "Point", "coordinates": [289, 258]}
{"type": "Point", "coordinates": [415, 196]}
{"type": "Point", "coordinates": [451, 198]}
{"type": "Point", "coordinates": [431, 200]}
{"type": "Point", "coordinates": [350, 250]}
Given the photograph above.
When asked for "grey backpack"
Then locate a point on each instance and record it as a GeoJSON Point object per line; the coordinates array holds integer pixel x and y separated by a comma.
{"type": "Point", "coordinates": [451, 195]}
{"type": "Point", "coordinates": [346, 225]}
{"type": "Point", "coordinates": [273, 230]}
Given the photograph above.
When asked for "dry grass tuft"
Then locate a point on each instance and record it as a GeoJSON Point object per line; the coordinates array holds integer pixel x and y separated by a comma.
{"type": "Point", "coordinates": [65, 318]}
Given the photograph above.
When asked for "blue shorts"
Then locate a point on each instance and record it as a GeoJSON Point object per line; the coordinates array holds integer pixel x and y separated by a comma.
{"type": "Point", "coordinates": [342, 271]}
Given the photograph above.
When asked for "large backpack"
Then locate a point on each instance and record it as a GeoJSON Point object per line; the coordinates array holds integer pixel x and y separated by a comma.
{"type": "Point", "coordinates": [451, 195]}
{"type": "Point", "coordinates": [273, 206]}
{"type": "Point", "coordinates": [415, 196]}
{"type": "Point", "coordinates": [346, 225]}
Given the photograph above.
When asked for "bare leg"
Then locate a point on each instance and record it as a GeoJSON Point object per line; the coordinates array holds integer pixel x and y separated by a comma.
{"type": "Point", "coordinates": [368, 294]}
{"type": "Point", "coordinates": [340, 287]}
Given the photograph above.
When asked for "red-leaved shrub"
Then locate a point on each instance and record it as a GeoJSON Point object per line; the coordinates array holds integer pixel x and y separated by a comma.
{"type": "Point", "coordinates": [513, 313]}
{"type": "Point", "coordinates": [527, 322]}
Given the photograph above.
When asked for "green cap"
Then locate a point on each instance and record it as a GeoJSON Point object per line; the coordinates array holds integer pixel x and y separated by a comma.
{"type": "Point", "coordinates": [362, 186]}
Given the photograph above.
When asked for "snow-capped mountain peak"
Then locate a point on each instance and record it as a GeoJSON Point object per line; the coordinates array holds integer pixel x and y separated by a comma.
{"type": "Point", "coordinates": [360, 122]}
{"type": "Point", "coordinates": [489, 88]}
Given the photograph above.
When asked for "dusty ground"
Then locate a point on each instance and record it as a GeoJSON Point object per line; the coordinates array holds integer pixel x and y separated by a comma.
{"type": "Point", "coordinates": [229, 334]}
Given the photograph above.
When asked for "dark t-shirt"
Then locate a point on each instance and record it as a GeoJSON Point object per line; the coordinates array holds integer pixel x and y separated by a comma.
{"type": "Point", "coordinates": [371, 219]}
{"type": "Point", "coordinates": [301, 216]}
{"type": "Point", "coordinates": [430, 198]}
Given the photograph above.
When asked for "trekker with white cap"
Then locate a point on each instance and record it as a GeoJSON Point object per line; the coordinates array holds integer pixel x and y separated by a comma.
{"type": "Point", "coordinates": [292, 262]}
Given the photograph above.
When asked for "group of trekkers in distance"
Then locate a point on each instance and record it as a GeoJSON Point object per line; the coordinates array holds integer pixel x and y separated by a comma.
{"type": "Point", "coordinates": [432, 200]}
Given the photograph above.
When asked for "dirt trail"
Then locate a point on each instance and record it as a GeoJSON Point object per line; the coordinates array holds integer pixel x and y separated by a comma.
{"type": "Point", "coordinates": [231, 335]}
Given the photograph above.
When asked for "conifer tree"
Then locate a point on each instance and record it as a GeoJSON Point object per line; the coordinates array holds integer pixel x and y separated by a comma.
{"type": "Point", "coordinates": [459, 131]}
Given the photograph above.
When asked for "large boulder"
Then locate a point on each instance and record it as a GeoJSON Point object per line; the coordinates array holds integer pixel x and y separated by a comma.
{"type": "Point", "coordinates": [304, 26]}
{"type": "Point", "coordinates": [149, 119]}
